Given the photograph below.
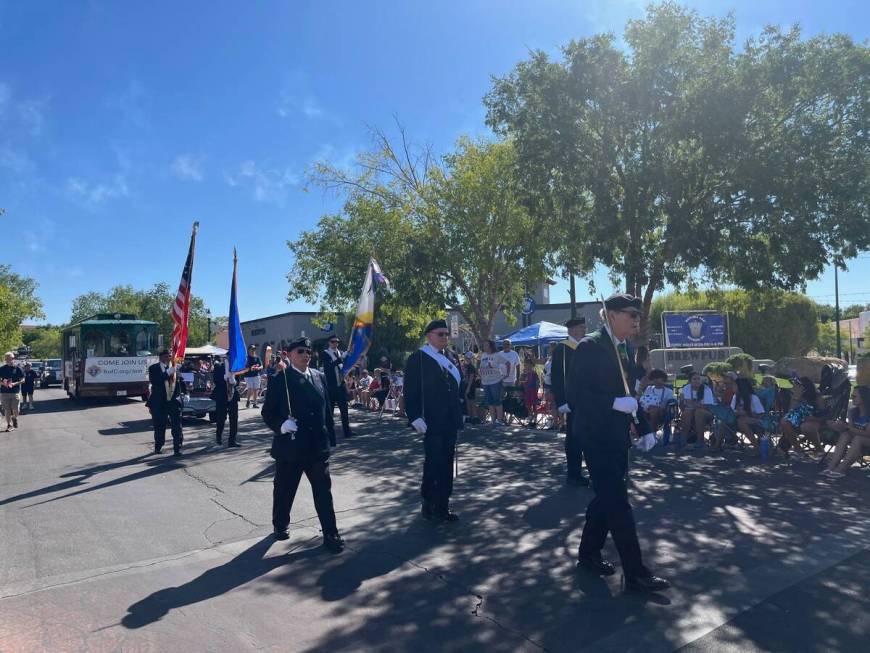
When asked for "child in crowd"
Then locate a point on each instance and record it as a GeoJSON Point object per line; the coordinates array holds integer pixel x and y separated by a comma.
{"type": "Point", "coordinates": [655, 397]}
{"type": "Point", "coordinates": [28, 386]}
{"type": "Point", "coordinates": [531, 383]}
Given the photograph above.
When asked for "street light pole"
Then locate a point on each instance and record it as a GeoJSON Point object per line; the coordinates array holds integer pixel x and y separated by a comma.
{"type": "Point", "coordinates": [837, 311]}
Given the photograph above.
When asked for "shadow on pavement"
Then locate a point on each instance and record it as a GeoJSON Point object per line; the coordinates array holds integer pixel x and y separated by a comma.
{"type": "Point", "coordinates": [245, 567]}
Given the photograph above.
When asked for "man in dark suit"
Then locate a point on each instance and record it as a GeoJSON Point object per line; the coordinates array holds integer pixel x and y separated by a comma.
{"type": "Point", "coordinates": [602, 418]}
{"type": "Point", "coordinates": [296, 406]}
{"type": "Point", "coordinates": [226, 398]}
{"type": "Point", "coordinates": [164, 401]}
{"type": "Point", "coordinates": [332, 360]}
{"type": "Point", "coordinates": [559, 375]}
{"type": "Point", "coordinates": [434, 408]}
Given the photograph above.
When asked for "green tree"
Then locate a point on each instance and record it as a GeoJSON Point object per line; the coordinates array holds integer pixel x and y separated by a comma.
{"type": "Point", "coordinates": [767, 324]}
{"type": "Point", "coordinates": [447, 235]}
{"type": "Point", "coordinates": [680, 160]}
{"type": "Point", "coordinates": [18, 302]}
{"type": "Point", "coordinates": [154, 304]}
{"type": "Point", "coordinates": [826, 344]}
{"type": "Point", "coordinates": [44, 341]}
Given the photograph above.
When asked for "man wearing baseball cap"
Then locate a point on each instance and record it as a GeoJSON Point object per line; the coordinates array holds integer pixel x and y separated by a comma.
{"type": "Point", "coordinates": [603, 414]}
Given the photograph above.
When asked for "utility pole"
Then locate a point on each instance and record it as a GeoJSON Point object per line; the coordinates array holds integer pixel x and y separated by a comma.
{"type": "Point", "coordinates": [837, 310]}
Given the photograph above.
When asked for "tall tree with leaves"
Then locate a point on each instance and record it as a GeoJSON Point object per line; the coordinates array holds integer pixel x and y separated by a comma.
{"type": "Point", "coordinates": [451, 234]}
{"type": "Point", "coordinates": [679, 160]}
{"type": "Point", "coordinates": [18, 302]}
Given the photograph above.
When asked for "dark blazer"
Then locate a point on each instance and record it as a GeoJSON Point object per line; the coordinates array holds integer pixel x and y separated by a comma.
{"type": "Point", "coordinates": [594, 381]}
{"type": "Point", "coordinates": [219, 383]}
{"type": "Point", "coordinates": [431, 393]}
{"type": "Point", "coordinates": [559, 369]}
{"type": "Point", "coordinates": [309, 403]}
{"type": "Point", "coordinates": [157, 378]}
{"type": "Point", "coordinates": [332, 372]}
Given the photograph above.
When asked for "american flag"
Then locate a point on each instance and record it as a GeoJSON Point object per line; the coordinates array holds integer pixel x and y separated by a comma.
{"type": "Point", "coordinates": [181, 307]}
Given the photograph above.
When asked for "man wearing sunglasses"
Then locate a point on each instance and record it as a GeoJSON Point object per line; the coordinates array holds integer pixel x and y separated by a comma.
{"type": "Point", "coordinates": [332, 360]}
{"type": "Point", "coordinates": [296, 408]}
{"type": "Point", "coordinates": [434, 410]}
{"type": "Point", "coordinates": [603, 415]}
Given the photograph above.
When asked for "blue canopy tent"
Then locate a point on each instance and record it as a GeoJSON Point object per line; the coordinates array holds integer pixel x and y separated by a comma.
{"type": "Point", "coordinates": [536, 335]}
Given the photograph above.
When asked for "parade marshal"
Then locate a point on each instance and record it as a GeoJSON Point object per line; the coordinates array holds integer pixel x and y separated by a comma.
{"type": "Point", "coordinates": [164, 401]}
{"type": "Point", "coordinates": [603, 415]}
{"type": "Point", "coordinates": [434, 409]}
{"type": "Point", "coordinates": [295, 408]}
{"type": "Point", "coordinates": [559, 374]}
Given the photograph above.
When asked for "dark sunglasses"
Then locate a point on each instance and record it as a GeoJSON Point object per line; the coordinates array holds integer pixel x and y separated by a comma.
{"type": "Point", "coordinates": [333, 342]}
{"type": "Point", "coordinates": [303, 351]}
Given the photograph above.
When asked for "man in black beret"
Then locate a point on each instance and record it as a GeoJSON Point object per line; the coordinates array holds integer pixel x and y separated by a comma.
{"type": "Point", "coordinates": [226, 397]}
{"type": "Point", "coordinates": [434, 409]}
{"type": "Point", "coordinates": [603, 415]}
{"type": "Point", "coordinates": [164, 401]}
{"type": "Point", "coordinates": [332, 361]}
{"type": "Point", "coordinates": [296, 407]}
{"type": "Point", "coordinates": [559, 375]}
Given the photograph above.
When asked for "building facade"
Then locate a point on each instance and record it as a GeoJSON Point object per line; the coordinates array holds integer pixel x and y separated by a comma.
{"type": "Point", "coordinates": [278, 330]}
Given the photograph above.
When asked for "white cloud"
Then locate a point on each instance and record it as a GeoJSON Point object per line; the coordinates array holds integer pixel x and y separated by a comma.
{"type": "Point", "coordinates": [95, 193]}
{"type": "Point", "coordinates": [291, 104]}
{"type": "Point", "coordinates": [266, 184]}
{"type": "Point", "coordinates": [133, 103]}
{"type": "Point", "coordinates": [188, 167]}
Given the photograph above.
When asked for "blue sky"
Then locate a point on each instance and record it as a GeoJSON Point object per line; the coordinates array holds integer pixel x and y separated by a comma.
{"type": "Point", "coordinates": [121, 123]}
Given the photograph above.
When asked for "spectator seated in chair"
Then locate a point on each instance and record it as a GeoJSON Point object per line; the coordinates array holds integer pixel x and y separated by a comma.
{"type": "Point", "coordinates": [803, 416]}
{"type": "Point", "coordinates": [655, 397]}
{"type": "Point", "coordinates": [749, 410]}
{"type": "Point", "coordinates": [767, 392]}
{"type": "Point", "coordinates": [854, 434]}
{"type": "Point", "coordinates": [696, 401]}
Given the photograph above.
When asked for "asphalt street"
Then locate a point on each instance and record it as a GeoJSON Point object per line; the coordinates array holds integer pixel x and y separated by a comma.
{"type": "Point", "coordinates": [107, 547]}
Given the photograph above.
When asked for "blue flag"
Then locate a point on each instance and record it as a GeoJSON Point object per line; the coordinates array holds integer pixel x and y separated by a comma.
{"type": "Point", "coordinates": [237, 355]}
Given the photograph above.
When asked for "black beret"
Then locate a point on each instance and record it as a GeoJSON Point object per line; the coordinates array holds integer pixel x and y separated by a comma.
{"type": "Point", "coordinates": [435, 324]}
{"type": "Point", "coordinates": [299, 342]}
{"type": "Point", "coordinates": [164, 352]}
{"type": "Point", "coordinates": [575, 321]}
{"type": "Point", "coordinates": [622, 301]}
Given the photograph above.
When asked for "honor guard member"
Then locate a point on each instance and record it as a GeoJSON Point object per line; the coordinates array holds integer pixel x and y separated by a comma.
{"type": "Point", "coordinates": [602, 419]}
{"type": "Point", "coordinates": [296, 407]}
{"type": "Point", "coordinates": [332, 360]}
{"type": "Point", "coordinates": [225, 394]}
{"type": "Point", "coordinates": [559, 375]}
{"type": "Point", "coordinates": [434, 409]}
{"type": "Point", "coordinates": [164, 401]}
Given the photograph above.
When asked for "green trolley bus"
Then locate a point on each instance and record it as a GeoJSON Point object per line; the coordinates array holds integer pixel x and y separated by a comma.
{"type": "Point", "coordinates": [108, 355]}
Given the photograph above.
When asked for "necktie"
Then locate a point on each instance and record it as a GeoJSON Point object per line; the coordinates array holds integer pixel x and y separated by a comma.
{"type": "Point", "coordinates": [623, 351]}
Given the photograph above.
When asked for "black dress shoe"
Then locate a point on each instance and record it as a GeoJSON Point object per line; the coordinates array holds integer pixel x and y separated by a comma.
{"type": "Point", "coordinates": [646, 584]}
{"type": "Point", "coordinates": [233, 443]}
{"type": "Point", "coordinates": [446, 515]}
{"type": "Point", "coordinates": [177, 453]}
{"type": "Point", "coordinates": [281, 535]}
{"type": "Point", "coordinates": [333, 543]}
{"type": "Point", "coordinates": [598, 565]}
{"type": "Point", "coordinates": [426, 512]}
{"type": "Point", "coordinates": [157, 449]}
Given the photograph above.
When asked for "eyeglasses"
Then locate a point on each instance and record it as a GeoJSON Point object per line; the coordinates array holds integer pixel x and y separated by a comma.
{"type": "Point", "coordinates": [441, 334]}
{"type": "Point", "coordinates": [303, 352]}
{"type": "Point", "coordinates": [333, 342]}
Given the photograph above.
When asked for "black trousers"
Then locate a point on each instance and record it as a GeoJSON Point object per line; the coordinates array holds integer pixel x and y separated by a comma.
{"type": "Point", "coordinates": [286, 482]}
{"type": "Point", "coordinates": [345, 421]}
{"type": "Point", "coordinates": [573, 449]}
{"type": "Point", "coordinates": [437, 485]}
{"type": "Point", "coordinates": [224, 409]}
{"type": "Point", "coordinates": [159, 416]}
{"type": "Point", "coordinates": [610, 511]}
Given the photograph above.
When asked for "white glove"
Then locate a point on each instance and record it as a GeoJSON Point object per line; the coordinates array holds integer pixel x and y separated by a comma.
{"type": "Point", "coordinates": [230, 377]}
{"type": "Point", "coordinates": [289, 425]}
{"type": "Point", "coordinates": [647, 442]}
{"type": "Point", "coordinates": [419, 425]}
{"type": "Point", "coordinates": [625, 405]}
{"type": "Point", "coordinates": [564, 409]}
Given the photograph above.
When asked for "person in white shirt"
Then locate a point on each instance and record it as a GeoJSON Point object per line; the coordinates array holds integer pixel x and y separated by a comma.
{"type": "Point", "coordinates": [512, 363]}
{"type": "Point", "coordinates": [492, 371]}
{"type": "Point", "coordinates": [655, 397]}
{"type": "Point", "coordinates": [747, 406]}
{"type": "Point", "coordinates": [694, 399]}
